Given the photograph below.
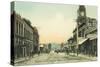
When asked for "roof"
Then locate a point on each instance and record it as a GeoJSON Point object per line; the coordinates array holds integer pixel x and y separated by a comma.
{"type": "Point", "coordinates": [92, 36]}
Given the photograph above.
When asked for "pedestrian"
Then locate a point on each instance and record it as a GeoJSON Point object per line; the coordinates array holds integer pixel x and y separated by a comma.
{"type": "Point", "coordinates": [38, 52]}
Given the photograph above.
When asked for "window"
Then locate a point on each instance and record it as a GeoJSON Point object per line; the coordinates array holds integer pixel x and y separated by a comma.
{"type": "Point", "coordinates": [16, 41]}
{"type": "Point", "coordinates": [83, 33]}
{"type": "Point", "coordinates": [17, 27]}
{"type": "Point", "coordinates": [79, 34]}
{"type": "Point", "coordinates": [21, 29]}
{"type": "Point", "coordinates": [89, 24]}
{"type": "Point", "coordinates": [24, 32]}
{"type": "Point", "coordinates": [94, 23]}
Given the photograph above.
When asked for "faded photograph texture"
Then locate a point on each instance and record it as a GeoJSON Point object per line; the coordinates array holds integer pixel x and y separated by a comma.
{"type": "Point", "coordinates": [47, 33]}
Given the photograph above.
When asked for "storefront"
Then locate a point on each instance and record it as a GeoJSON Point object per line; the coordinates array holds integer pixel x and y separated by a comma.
{"type": "Point", "coordinates": [93, 43]}
{"type": "Point", "coordinates": [83, 46]}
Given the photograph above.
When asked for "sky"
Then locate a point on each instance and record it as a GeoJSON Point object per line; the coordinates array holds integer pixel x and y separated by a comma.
{"type": "Point", "coordinates": [55, 22]}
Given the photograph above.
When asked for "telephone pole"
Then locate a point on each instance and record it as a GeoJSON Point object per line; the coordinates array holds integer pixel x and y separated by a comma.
{"type": "Point", "coordinates": [77, 40]}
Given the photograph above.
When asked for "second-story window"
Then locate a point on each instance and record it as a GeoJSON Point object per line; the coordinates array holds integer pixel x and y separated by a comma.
{"type": "Point", "coordinates": [21, 29]}
{"type": "Point", "coordinates": [17, 27]}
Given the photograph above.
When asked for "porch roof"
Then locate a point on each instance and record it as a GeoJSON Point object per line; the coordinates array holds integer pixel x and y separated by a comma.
{"type": "Point", "coordinates": [82, 41]}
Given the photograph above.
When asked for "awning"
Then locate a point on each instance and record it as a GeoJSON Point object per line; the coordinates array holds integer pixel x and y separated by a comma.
{"type": "Point", "coordinates": [92, 36]}
{"type": "Point", "coordinates": [82, 41]}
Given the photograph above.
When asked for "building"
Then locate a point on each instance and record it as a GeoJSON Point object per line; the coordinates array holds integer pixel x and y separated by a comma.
{"type": "Point", "coordinates": [85, 33]}
{"type": "Point", "coordinates": [28, 39]}
{"type": "Point", "coordinates": [71, 45]}
{"type": "Point", "coordinates": [35, 40]}
{"type": "Point", "coordinates": [23, 38]}
{"type": "Point", "coordinates": [91, 34]}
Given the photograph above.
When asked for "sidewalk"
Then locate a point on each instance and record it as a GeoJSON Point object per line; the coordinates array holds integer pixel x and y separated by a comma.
{"type": "Point", "coordinates": [21, 59]}
{"type": "Point", "coordinates": [84, 56]}
{"type": "Point", "coordinates": [26, 58]}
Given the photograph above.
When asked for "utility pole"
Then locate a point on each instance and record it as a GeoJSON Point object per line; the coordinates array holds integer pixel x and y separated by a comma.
{"type": "Point", "coordinates": [77, 40]}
